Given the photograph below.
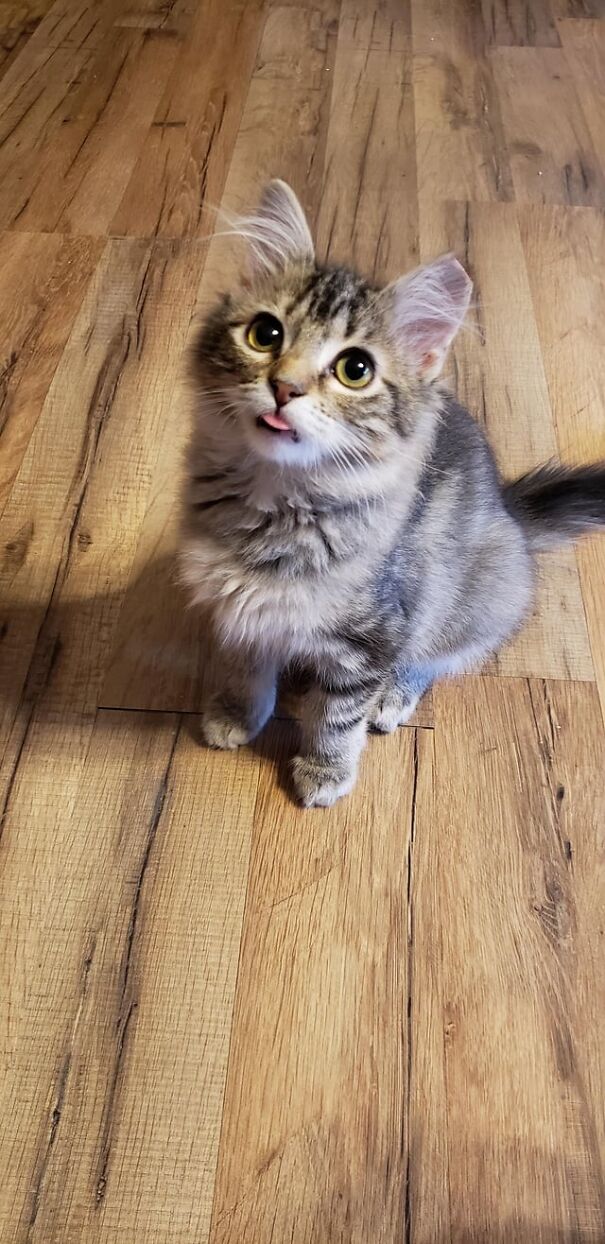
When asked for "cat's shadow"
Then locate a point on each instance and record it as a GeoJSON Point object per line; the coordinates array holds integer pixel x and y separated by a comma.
{"type": "Point", "coordinates": [144, 651]}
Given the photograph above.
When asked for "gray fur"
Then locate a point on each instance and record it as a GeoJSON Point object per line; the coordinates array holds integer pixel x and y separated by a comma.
{"type": "Point", "coordinates": [374, 546]}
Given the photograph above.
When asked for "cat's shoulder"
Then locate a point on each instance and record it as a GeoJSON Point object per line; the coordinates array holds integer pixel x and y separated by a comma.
{"type": "Point", "coordinates": [461, 443]}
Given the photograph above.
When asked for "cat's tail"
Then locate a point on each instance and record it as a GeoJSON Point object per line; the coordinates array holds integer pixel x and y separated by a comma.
{"type": "Point", "coordinates": [556, 504]}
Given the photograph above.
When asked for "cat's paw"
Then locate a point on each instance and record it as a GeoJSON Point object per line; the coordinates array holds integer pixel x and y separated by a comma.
{"type": "Point", "coordinates": [319, 785]}
{"type": "Point", "coordinates": [391, 710]}
{"type": "Point", "coordinates": [223, 734]}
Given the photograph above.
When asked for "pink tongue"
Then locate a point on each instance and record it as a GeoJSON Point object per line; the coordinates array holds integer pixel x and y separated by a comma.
{"type": "Point", "coordinates": [275, 421]}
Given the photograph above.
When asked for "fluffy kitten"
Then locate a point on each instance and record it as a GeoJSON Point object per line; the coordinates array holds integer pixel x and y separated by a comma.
{"type": "Point", "coordinates": [342, 512]}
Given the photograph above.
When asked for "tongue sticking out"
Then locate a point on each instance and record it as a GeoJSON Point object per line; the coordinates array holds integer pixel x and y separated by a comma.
{"type": "Point", "coordinates": [274, 420]}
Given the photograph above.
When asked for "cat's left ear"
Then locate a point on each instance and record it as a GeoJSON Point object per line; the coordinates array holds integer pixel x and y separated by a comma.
{"type": "Point", "coordinates": [277, 232]}
{"type": "Point", "coordinates": [426, 309]}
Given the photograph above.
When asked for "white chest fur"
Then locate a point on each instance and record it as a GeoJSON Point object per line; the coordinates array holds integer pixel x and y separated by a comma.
{"type": "Point", "coordinates": [257, 607]}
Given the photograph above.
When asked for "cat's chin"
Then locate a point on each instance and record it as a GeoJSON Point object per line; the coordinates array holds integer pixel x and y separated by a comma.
{"type": "Point", "coordinates": [282, 448]}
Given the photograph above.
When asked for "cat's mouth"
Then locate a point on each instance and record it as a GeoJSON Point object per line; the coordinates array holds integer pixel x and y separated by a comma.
{"type": "Point", "coordinates": [274, 422]}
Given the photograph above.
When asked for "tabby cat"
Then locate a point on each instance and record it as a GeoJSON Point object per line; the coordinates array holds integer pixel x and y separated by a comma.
{"type": "Point", "coordinates": [343, 513]}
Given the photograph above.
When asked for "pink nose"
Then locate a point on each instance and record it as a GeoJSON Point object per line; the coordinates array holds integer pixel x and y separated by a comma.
{"type": "Point", "coordinates": [284, 391]}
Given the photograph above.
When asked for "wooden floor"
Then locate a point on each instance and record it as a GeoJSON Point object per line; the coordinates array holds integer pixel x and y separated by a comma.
{"type": "Point", "coordinates": [223, 1019]}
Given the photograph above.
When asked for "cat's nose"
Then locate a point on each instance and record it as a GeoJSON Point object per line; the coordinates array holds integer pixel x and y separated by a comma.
{"type": "Point", "coordinates": [284, 391]}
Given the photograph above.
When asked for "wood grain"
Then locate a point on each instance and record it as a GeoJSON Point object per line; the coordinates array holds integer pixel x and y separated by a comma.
{"type": "Point", "coordinates": [520, 23]}
{"type": "Point", "coordinates": [321, 992]}
{"type": "Point", "coordinates": [44, 279]}
{"type": "Point", "coordinates": [70, 160]}
{"type": "Point", "coordinates": [461, 153]}
{"type": "Point", "coordinates": [584, 47]}
{"type": "Point", "coordinates": [67, 550]}
{"type": "Point", "coordinates": [171, 17]}
{"type": "Point", "coordinates": [514, 997]}
{"type": "Point", "coordinates": [551, 150]}
{"type": "Point", "coordinates": [183, 160]}
{"type": "Point", "coordinates": [75, 24]}
{"type": "Point", "coordinates": [368, 207]}
{"type": "Point", "coordinates": [18, 22]}
{"type": "Point", "coordinates": [129, 1102]}
{"type": "Point", "coordinates": [223, 1020]}
{"type": "Point", "coordinates": [578, 9]}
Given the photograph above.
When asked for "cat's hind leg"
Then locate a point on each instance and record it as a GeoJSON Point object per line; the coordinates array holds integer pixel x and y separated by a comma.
{"type": "Point", "coordinates": [399, 697]}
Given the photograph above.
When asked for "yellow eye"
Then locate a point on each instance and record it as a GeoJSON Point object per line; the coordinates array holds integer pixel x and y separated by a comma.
{"type": "Point", "coordinates": [265, 334]}
{"type": "Point", "coordinates": [354, 369]}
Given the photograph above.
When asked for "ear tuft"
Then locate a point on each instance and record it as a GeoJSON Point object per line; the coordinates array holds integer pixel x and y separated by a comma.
{"type": "Point", "coordinates": [427, 309]}
{"type": "Point", "coordinates": [277, 232]}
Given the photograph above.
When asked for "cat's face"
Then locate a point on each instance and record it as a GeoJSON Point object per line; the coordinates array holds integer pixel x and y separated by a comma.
{"type": "Point", "coordinates": [311, 364]}
{"type": "Point", "coordinates": [307, 368]}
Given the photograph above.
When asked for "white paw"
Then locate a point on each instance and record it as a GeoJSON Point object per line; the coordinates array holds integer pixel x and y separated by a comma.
{"type": "Point", "coordinates": [223, 734]}
{"type": "Point", "coordinates": [391, 712]}
{"type": "Point", "coordinates": [316, 786]}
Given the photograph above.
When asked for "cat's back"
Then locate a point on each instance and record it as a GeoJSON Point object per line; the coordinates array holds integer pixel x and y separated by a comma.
{"type": "Point", "coordinates": [467, 560]}
{"type": "Point", "coordinates": [459, 490]}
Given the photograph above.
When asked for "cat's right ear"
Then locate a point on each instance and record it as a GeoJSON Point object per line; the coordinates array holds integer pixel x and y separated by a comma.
{"type": "Point", "coordinates": [277, 233]}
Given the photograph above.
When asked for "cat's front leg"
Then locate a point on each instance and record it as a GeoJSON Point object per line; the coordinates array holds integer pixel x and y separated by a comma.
{"type": "Point", "coordinates": [402, 690]}
{"type": "Point", "coordinates": [241, 700]}
{"type": "Point", "coordinates": [334, 729]}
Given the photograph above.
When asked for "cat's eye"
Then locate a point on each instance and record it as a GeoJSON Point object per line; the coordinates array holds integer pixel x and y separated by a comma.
{"type": "Point", "coordinates": [354, 369]}
{"type": "Point", "coordinates": [265, 334]}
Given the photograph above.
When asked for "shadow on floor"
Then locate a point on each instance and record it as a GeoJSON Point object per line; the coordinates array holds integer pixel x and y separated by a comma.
{"type": "Point", "coordinates": [141, 650]}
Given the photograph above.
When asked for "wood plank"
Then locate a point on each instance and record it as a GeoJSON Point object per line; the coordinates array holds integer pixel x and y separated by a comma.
{"type": "Point", "coordinates": [461, 153]}
{"type": "Point", "coordinates": [112, 1097]}
{"type": "Point", "coordinates": [519, 23]}
{"type": "Point", "coordinates": [108, 150]}
{"type": "Point", "coordinates": [68, 167]}
{"type": "Point", "coordinates": [45, 501]}
{"type": "Point", "coordinates": [70, 23]}
{"type": "Point", "coordinates": [183, 161]}
{"type": "Point", "coordinates": [76, 24]}
{"type": "Point", "coordinates": [17, 14]}
{"type": "Point", "coordinates": [71, 523]}
{"type": "Point", "coordinates": [40, 67]}
{"type": "Point", "coordinates": [93, 126]}
{"type": "Point", "coordinates": [44, 280]}
{"type": "Point", "coordinates": [284, 125]}
{"type": "Point", "coordinates": [32, 92]}
{"type": "Point", "coordinates": [172, 17]}
{"type": "Point", "coordinates": [369, 213]}
{"type": "Point", "coordinates": [18, 22]}
{"type": "Point", "coordinates": [551, 151]}
{"type": "Point", "coordinates": [508, 968]}
{"type": "Point", "coordinates": [558, 242]}
{"type": "Point", "coordinates": [578, 9]}
{"type": "Point", "coordinates": [497, 372]}
{"type": "Point", "coordinates": [584, 47]}
{"type": "Point", "coordinates": [313, 1141]}
{"type": "Point", "coordinates": [69, 882]}
{"type": "Point", "coordinates": [447, 27]}
{"type": "Point", "coordinates": [564, 252]}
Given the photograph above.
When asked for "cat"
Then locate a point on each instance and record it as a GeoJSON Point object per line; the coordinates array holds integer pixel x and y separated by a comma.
{"type": "Point", "coordinates": [342, 513]}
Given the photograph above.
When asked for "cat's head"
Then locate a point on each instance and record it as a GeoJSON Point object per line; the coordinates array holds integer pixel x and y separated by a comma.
{"type": "Point", "coordinates": [312, 363]}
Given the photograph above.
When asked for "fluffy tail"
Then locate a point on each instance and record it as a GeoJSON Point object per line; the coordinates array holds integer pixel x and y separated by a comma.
{"type": "Point", "coordinates": [556, 504]}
